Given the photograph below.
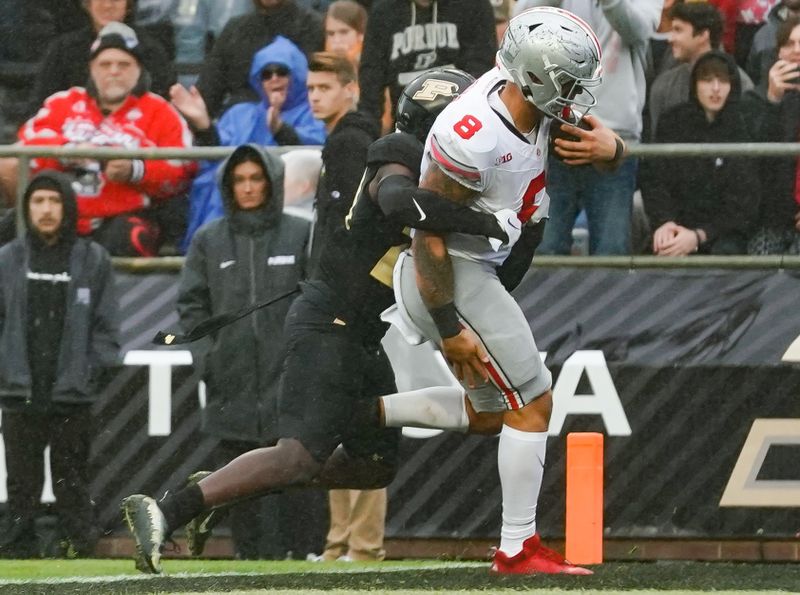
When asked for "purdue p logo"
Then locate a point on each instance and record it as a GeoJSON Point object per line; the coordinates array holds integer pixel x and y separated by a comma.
{"type": "Point", "coordinates": [432, 88]}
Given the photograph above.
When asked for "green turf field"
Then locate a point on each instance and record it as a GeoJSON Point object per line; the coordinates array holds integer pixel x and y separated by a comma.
{"type": "Point", "coordinates": [398, 578]}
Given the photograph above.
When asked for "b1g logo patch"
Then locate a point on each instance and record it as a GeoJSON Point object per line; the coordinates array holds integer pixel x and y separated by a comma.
{"type": "Point", "coordinates": [433, 88]}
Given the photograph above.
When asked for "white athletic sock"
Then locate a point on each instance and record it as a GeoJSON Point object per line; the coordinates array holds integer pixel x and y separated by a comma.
{"type": "Point", "coordinates": [520, 461]}
{"type": "Point", "coordinates": [439, 407]}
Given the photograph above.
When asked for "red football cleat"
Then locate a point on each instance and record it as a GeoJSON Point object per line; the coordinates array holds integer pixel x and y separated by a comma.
{"type": "Point", "coordinates": [534, 559]}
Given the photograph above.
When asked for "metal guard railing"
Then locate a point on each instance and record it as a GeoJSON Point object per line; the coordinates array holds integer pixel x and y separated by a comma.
{"type": "Point", "coordinates": [26, 153]}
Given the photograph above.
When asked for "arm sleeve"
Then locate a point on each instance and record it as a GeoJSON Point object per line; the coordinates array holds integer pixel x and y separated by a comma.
{"type": "Point", "coordinates": [211, 81]}
{"type": "Point", "coordinates": [287, 135]}
{"type": "Point", "coordinates": [657, 177]}
{"type": "Point", "coordinates": [402, 202]}
{"type": "Point", "coordinates": [523, 5]}
{"type": "Point", "coordinates": [305, 131]}
{"type": "Point", "coordinates": [50, 78]}
{"type": "Point", "coordinates": [159, 66]}
{"type": "Point", "coordinates": [194, 294]}
{"type": "Point", "coordinates": [209, 137]}
{"type": "Point", "coordinates": [634, 20]}
{"type": "Point", "coordinates": [2, 305]}
{"type": "Point", "coordinates": [513, 269]}
{"type": "Point", "coordinates": [479, 41]}
{"type": "Point", "coordinates": [45, 128]}
{"type": "Point", "coordinates": [105, 318]}
{"type": "Point", "coordinates": [167, 177]}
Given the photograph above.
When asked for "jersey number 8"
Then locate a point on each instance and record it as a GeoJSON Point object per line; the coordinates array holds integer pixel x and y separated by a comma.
{"type": "Point", "coordinates": [467, 126]}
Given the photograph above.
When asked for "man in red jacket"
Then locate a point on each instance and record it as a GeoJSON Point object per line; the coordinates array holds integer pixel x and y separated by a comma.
{"type": "Point", "coordinates": [114, 110]}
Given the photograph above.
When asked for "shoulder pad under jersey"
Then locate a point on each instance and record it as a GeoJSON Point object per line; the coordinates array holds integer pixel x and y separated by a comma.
{"type": "Point", "coordinates": [463, 143]}
{"type": "Point", "coordinates": [398, 147]}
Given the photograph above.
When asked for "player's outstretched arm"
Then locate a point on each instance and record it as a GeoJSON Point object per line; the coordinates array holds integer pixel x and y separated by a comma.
{"type": "Point", "coordinates": [436, 285]}
{"type": "Point", "coordinates": [600, 146]}
{"type": "Point", "coordinates": [402, 201]}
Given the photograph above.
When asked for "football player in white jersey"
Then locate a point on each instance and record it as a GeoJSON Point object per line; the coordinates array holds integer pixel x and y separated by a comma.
{"type": "Point", "coordinates": [489, 149]}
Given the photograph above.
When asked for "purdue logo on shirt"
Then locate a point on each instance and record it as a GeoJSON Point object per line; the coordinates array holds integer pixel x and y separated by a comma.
{"type": "Point", "coordinates": [433, 88]}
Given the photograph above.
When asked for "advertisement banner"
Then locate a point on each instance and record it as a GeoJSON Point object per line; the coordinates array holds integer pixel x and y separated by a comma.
{"type": "Point", "coordinates": [681, 369]}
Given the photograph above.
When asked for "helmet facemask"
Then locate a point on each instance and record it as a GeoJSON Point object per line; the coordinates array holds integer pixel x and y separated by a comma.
{"type": "Point", "coordinates": [554, 58]}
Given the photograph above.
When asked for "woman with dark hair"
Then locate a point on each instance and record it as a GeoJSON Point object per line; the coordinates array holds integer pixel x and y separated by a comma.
{"type": "Point", "coordinates": [66, 61]}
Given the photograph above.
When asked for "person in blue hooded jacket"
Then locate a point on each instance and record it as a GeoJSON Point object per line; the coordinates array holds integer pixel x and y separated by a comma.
{"type": "Point", "coordinates": [281, 117]}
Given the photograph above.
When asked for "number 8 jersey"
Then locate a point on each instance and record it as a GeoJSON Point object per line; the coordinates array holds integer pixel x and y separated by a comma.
{"type": "Point", "coordinates": [475, 142]}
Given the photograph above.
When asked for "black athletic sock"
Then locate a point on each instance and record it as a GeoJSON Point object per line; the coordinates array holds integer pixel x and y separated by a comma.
{"type": "Point", "coordinates": [182, 506]}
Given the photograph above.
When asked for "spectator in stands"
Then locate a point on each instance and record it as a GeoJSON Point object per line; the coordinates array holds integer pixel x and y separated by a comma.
{"type": "Point", "coordinates": [66, 61]}
{"type": "Point", "coordinates": [250, 254]}
{"type": "Point", "coordinates": [743, 19]}
{"type": "Point", "coordinates": [357, 526]}
{"type": "Point", "coordinates": [302, 169]}
{"type": "Point", "coordinates": [763, 52]}
{"type": "Point", "coordinates": [155, 17]}
{"type": "Point", "coordinates": [776, 113]}
{"type": "Point", "coordinates": [624, 29]}
{"type": "Point", "coordinates": [704, 204]}
{"type": "Point", "coordinates": [407, 37]}
{"type": "Point", "coordinates": [357, 517]}
{"type": "Point", "coordinates": [58, 327]}
{"type": "Point", "coordinates": [332, 90]}
{"type": "Point", "coordinates": [27, 26]}
{"type": "Point", "coordinates": [502, 12]}
{"type": "Point", "coordinates": [696, 29]}
{"type": "Point", "coordinates": [345, 23]}
{"type": "Point", "coordinates": [281, 117]}
{"type": "Point", "coordinates": [198, 23]}
{"type": "Point", "coordinates": [224, 78]}
{"type": "Point", "coordinates": [659, 44]}
{"type": "Point", "coordinates": [114, 196]}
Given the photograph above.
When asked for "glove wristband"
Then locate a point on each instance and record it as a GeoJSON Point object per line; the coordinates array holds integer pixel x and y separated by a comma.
{"type": "Point", "coordinates": [446, 320]}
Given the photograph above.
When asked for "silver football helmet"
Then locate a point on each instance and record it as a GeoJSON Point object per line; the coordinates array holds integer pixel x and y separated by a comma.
{"type": "Point", "coordinates": [553, 56]}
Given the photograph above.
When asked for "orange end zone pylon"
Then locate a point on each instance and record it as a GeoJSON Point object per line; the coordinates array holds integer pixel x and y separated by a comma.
{"type": "Point", "coordinates": [584, 536]}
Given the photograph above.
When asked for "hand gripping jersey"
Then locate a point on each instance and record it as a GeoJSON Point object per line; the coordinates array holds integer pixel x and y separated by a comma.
{"type": "Point", "coordinates": [475, 142]}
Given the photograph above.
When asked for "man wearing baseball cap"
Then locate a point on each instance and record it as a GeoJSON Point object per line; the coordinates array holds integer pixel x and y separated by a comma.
{"type": "Point", "coordinates": [114, 110]}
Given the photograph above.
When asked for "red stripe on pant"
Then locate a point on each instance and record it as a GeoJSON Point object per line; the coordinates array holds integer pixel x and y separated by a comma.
{"type": "Point", "coordinates": [511, 395]}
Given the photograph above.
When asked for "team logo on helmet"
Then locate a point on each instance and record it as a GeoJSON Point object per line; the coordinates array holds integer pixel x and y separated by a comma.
{"type": "Point", "coordinates": [433, 88]}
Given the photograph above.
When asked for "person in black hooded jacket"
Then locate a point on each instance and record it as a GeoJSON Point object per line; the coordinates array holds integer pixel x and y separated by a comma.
{"type": "Point", "coordinates": [252, 253]}
{"type": "Point", "coordinates": [58, 326]}
{"type": "Point", "coordinates": [703, 204]}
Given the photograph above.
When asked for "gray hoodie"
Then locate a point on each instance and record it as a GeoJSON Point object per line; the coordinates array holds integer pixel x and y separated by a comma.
{"type": "Point", "coordinates": [90, 333]}
{"type": "Point", "coordinates": [232, 262]}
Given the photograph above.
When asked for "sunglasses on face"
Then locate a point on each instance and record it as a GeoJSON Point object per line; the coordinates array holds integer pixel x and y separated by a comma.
{"type": "Point", "coordinates": [271, 71]}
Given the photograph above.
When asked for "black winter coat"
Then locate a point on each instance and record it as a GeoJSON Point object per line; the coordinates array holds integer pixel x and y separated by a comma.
{"type": "Point", "coordinates": [90, 338]}
{"type": "Point", "coordinates": [344, 157]}
{"type": "Point", "coordinates": [234, 262]}
{"type": "Point", "coordinates": [776, 123]}
{"type": "Point", "coordinates": [717, 194]}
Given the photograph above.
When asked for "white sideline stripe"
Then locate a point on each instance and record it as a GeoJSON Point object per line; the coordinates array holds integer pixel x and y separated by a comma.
{"type": "Point", "coordinates": [305, 570]}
